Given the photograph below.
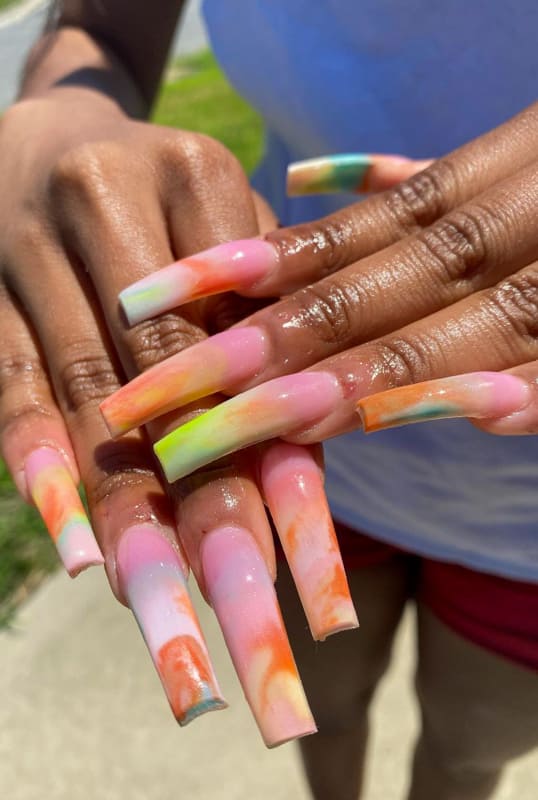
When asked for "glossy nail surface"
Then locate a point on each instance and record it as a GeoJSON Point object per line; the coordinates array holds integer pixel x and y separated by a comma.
{"type": "Point", "coordinates": [56, 497]}
{"type": "Point", "coordinates": [273, 409]}
{"type": "Point", "coordinates": [156, 590]}
{"type": "Point", "coordinates": [203, 369]}
{"type": "Point", "coordinates": [294, 492]}
{"type": "Point", "coordinates": [244, 599]}
{"type": "Point", "coordinates": [476, 394]}
{"type": "Point", "coordinates": [234, 265]}
{"type": "Point", "coordinates": [349, 172]}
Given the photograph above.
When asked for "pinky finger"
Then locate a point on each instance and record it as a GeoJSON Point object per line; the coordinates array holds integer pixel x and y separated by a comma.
{"type": "Point", "coordinates": [504, 403]}
{"type": "Point", "coordinates": [35, 443]}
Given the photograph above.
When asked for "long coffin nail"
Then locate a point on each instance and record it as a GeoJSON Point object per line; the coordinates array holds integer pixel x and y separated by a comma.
{"type": "Point", "coordinates": [156, 590]}
{"type": "Point", "coordinates": [476, 394]}
{"type": "Point", "coordinates": [349, 172]}
{"type": "Point", "coordinates": [275, 408]}
{"type": "Point", "coordinates": [203, 369]}
{"type": "Point", "coordinates": [231, 266]}
{"type": "Point", "coordinates": [55, 495]}
{"type": "Point", "coordinates": [294, 492]}
{"type": "Point", "coordinates": [244, 599]}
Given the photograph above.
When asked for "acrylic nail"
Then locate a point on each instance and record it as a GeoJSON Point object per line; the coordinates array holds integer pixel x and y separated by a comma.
{"type": "Point", "coordinates": [349, 172]}
{"type": "Point", "coordinates": [479, 395]}
{"type": "Point", "coordinates": [244, 599]}
{"type": "Point", "coordinates": [226, 267]}
{"type": "Point", "coordinates": [156, 591]}
{"type": "Point", "coordinates": [203, 369]}
{"type": "Point", "coordinates": [55, 495]}
{"type": "Point", "coordinates": [294, 493]}
{"type": "Point", "coordinates": [275, 408]}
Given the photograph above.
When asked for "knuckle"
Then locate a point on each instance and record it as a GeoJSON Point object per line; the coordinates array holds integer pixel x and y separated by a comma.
{"type": "Point", "coordinates": [422, 198]}
{"type": "Point", "coordinates": [195, 161]}
{"type": "Point", "coordinates": [156, 339]}
{"type": "Point", "coordinates": [330, 241]}
{"type": "Point", "coordinates": [86, 379]}
{"type": "Point", "coordinates": [119, 467]}
{"type": "Point", "coordinates": [514, 303]}
{"type": "Point", "coordinates": [404, 361]}
{"type": "Point", "coordinates": [28, 416]}
{"type": "Point", "coordinates": [19, 369]}
{"type": "Point", "coordinates": [86, 171]}
{"type": "Point", "coordinates": [462, 243]}
{"type": "Point", "coordinates": [329, 310]}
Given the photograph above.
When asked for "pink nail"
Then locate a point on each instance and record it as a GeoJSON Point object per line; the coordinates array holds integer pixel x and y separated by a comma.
{"type": "Point", "coordinates": [155, 588]}
{"type": "Point", "coordinates": [203, 369]}
{"type": "Point", "coordinates": [230, 266]}
{"type": "Point", "coordinates": [294, 492]}
{"type": "Point", "coordinates": [244, 599]}
{"type": "Point", "coordinates": [56, 497]}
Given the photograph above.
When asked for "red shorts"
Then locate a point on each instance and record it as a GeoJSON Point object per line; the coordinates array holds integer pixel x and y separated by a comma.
{"type": "Point", "coordinates": [498, 614]}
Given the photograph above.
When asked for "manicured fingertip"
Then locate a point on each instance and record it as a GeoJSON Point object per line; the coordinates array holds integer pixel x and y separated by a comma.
{"type": "Point", "coordinates": [294, 492]}
{"type": "Point", "coordinates": [243, 597]}
{"type": "Point", "coordinates": [227, 267]}
{"type": "Point", "coordinates": [476, 395]}
{"type": "Point", "coordinates": [154, 585]}
{"type": "Point", "coordinates": [273, 409]}
{"type": "Point", "coordinates": [53, 490]}
{"type": "Point", "coordinates": [213, 365]}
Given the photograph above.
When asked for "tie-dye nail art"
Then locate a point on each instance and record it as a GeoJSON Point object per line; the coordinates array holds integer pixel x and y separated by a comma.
{"type": "Point", "coordinates": [229, 266]}
{"type": "Point", "coordinates": [203, 369]}
{"type": "Point", "coordinates": [273, 409]}
{"type": "Point", "coordinates": [56, 497]}
{"type": "Point", "coordinates": [293, 489]}
{"type": "Point", "coordinates": [476, 394]}
{"type": "Point", "coordinates": [358, 173]}
{"type": "Point", "coordinates": [244, 599]}
{"type": "Point", "coordinates": [156, 590]}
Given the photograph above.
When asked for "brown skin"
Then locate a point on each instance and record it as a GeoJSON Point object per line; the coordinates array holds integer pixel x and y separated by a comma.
{"type": "Point", "coordinates": [94, 200]}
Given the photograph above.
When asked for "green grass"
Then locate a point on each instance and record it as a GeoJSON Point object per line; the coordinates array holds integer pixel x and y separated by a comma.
{"type": "Point", "coordinates": [5, 3]}
{"type": "Point", "coordinates": [195, 97]}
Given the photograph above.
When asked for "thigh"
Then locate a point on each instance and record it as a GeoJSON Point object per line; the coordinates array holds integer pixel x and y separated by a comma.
{"type": "Point", "coordinates": [340, 673]}
{"type": "Point", "coordinates": [479, 709]}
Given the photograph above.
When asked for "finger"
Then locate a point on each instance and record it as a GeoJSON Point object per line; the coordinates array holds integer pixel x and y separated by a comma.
{"type": "Point", "coordinates": [36, 445]}
{"type": "Point", "coordinates": [293, 487]}
{"type": "Point", "coordinates": [291, 258]}
{"type": "Point", "coordinates": [467, 250]}
{"type": "Point", "coordinates": [522, 421]}
{"type": "Point", "coordinates": [350, 172]}
{"type": "Point", "coordinates": [128, 508]}
{"type": "Point", "coordinates": [493, 330]}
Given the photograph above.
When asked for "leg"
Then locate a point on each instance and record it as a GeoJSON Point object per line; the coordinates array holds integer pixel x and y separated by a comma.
{"type": "Point", "coordinates": [340, 674]}
{"type": "Point", "coordinates": [479, 710]}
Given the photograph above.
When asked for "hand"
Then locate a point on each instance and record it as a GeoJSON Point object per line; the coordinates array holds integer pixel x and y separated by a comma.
{"type": "Point", "coordinates": [431, 278]}
{"type": "Point", "coordinates": [92, 201]}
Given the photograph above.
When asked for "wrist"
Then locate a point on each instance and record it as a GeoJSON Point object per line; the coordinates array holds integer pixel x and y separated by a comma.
{"type": "Point", "coordinates": [70, 63]}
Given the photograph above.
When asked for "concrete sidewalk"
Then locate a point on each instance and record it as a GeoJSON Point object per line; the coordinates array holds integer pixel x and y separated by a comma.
{"type": "Point", "coordinates": [82, 716]}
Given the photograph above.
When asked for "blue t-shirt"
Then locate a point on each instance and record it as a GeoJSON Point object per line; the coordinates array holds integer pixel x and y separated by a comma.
{"type": "Point", "coordinates": [416, 78]}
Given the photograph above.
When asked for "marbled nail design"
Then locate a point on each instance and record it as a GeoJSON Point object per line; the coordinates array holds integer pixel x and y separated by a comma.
{"type": "Point", "coordinates": [234, 265]}
{"type": "Point", "coordinates": [273, 409]}
{"type": "Point", "coordinates": [349, 172]}
{"type": "Point", "coordinates": [244, 599]}
{"type": "Point", "coordinates": [476, 394]}
{"type": "Point", "coordinates": [210, 366]}
{"type": "Point", "coordinates": [294, 492]}
{"type": "Point", "coordinates": [156, 590]}
{"type": "Point", "coordinates": [56, 497]}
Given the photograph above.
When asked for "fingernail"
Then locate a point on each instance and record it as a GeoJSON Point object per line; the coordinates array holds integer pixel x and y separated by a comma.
{"type": "Point", "coordinates": [294, 492]}
{"type": "Point", "coordinates": [210, 366]}
{"type": "Point", "coordinates": [244, 599]}
{"type": "Point", "coordinates": [350, 172]}
{"type": "Point", "coordinates": [480, 395]}
{"type": "Point", "coordinates": [156, 591]}
{"type": "Point", "coordinates": [56, 497]}
{"type": "Point", "coordinates": [227, 267]}
{"type": "Point", "coordinates": [275, 408]}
